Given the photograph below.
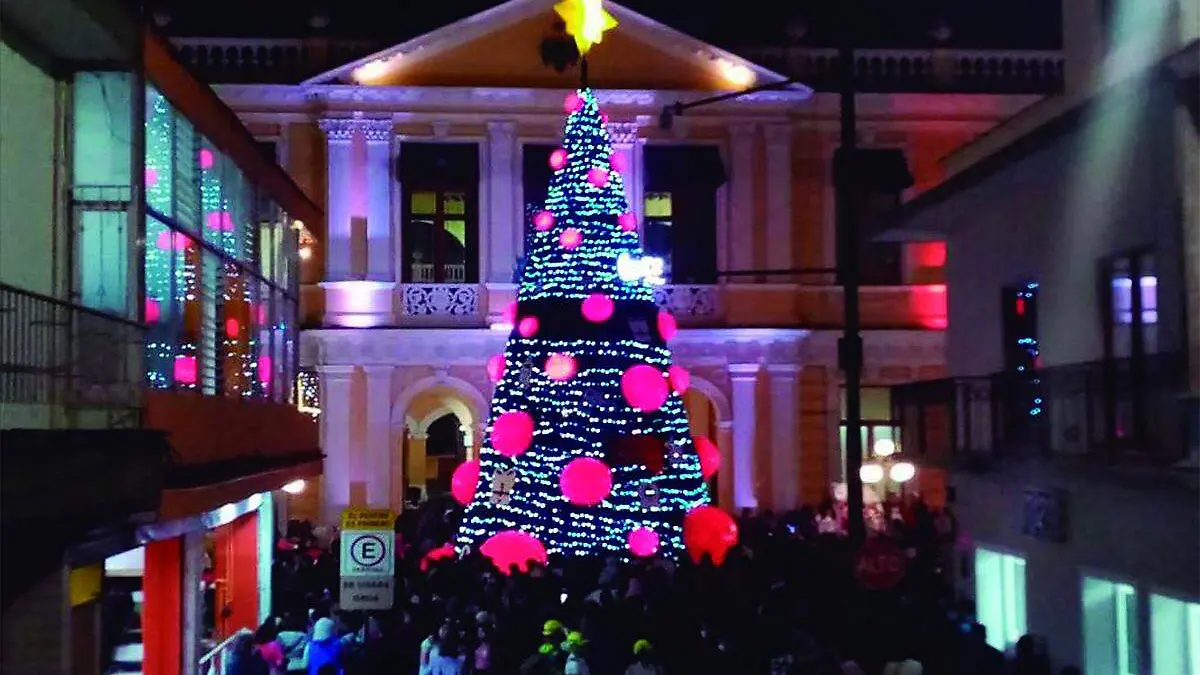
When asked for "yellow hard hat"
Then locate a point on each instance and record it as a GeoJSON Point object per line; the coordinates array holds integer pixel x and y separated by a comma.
{"type": "Point", "coordinates": [575, 638]}
{"type": "Point", "coordinates": [551, 627]}
{"type": "Point", "coordinates": [641, 646]}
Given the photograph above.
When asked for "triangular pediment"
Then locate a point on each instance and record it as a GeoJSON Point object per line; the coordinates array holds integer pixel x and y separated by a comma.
{"type": "Point", "coordinates": [503, 47]}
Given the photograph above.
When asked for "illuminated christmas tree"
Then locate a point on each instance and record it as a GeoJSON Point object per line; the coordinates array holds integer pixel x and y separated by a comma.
{"type": "Point", "coordinates": [588, 449]}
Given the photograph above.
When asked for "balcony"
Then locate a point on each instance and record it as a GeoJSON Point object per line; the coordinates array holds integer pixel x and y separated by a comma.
{"type": "Point", "coordinates": [61, 363]}
{"type": "Point", "coordinates": [810, 301]}
{"type": "Point", "coordinates": [1126, 411]}
{"type": "Point", "coordinates": [897, 71]}
{"type": "Point", "coordinates": [262, 60]}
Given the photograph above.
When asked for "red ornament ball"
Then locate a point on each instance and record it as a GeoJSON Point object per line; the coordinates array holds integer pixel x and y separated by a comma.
{"type": "Point", "coordinates": [644, 387]}
{"type": "Point", "coordinates": [495, 367]}
{"type": "Point", "coordinates": [617, 161]}
{"type": "Point", "coordinates": [643, 542]}
{"type": "Point", "coordinates": [528, 327]}
{"type": "Point", "coordinates": [680, 378]}
{"type": "Point", "coordinates": [512, 433]}
{"type": "Point", "coordinates": [560, 367]}
{"type": "Point", "coordinates": [597, 308]}
{"type": "Point", "coordinates": [570, 238]}
{"type": "Point", "coordinates": [586, 481]}
{"type": "Point", "coordinates": [510, 312]}
{"type": "Point", "coordinates": [709, 531]}
{"type": "Point", "coordinates": [513, 548]}
{"type": "Point", "coordinates": [597, 177]}
{"type": "Point", "coordinates": [710, 456]}
{"type": "Point", "coordinates": [464, 481]}
{"type": "Point", "coordinates": [543, 220]}
{"type": "Point", "coordinates": [232, 328]}
{"type": "Point", "coordinates": [667, 326]}
{"type": "Point", "coordinates": [558, 159]}
{"type": "Point", "coordinates": [627, 222]}
{"type": "Point", "coordinates": [572, 103]}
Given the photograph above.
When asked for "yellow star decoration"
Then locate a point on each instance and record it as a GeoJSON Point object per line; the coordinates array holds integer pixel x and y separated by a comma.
{"type": "Point", "coordinates": [586, 20]}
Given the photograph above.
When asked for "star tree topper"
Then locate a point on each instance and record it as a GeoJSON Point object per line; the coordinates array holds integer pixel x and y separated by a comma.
{"type": "Point", "coordinates": [586, 20]}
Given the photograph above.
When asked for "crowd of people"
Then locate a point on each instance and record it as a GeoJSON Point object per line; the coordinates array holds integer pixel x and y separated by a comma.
{"type": "Point", "coordinates": [786, 601]}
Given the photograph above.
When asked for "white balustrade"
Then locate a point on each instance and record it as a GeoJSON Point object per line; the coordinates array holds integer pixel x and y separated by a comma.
{"type": "Point", "coordinates": [460, 301]}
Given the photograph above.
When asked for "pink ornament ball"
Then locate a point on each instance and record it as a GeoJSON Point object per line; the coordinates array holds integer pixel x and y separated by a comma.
{"type": "Point", "coordinates": [597, 308]}
{"type": "Point", "coordinates": [528, 327]}
{"type": "Point", "coordinates": [185, 369]}
{"type": "Point", "coordinates": [617, 161]}
{"type": "Point", "coordinates": [558, 159]}
{"type": "Point", "coordinates": [627, 222]}
{"type": "Point", "coordinates": [513, 549]}
{"type": "Point", "coordinates": [151, 176]}
{"type": "Point", "coordinates": [560, 367]}
{"type": "Point", "coordinates": [710, 456]}
{"type": "Point", "coordinates": [543, 220]}
{"type": "Point", "coordinates": [643, 542]}
{"type": "Point", "coordinates": [644, 387]}
{"type": "Point", "coordinates": [206, 159]}
{"type": "Point", "coordinates": [709, 531]}
{"type": "Point", "coordinates": [464, 481]}
{"type": "Point", "coordinates": [597, 177]}
{"type": "Point", "coordinates": [572, 103]}
{"type": "Point", "coordinates": [512, 433]}
{"type": "Point", "coordinates": [570, 238]}
{"type": "Point", "coordinates": [680, 378]}
{"type": "Point", "coordinates": [586, 481]}
{"type": "Point", "coordinates": [604, 117]}
{"type": "Point", "coordinates": [495, 367]}
{"type": "Point", "coordinates": [667, 326]}
{"type": "Point", "coordinates": [153, 310]}
{"type": "Point", "coordinates": [510, 313]}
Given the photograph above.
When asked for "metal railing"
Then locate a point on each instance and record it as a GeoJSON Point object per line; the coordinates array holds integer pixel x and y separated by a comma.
{"type": "Point", "coordinates": [425, 273]}
{"type": "Point", "coordinates": [214, 661]}
{"type": "Point", "coordinates": [53, 352]}
{"type": "Point", "coordinates": [1118, 409]}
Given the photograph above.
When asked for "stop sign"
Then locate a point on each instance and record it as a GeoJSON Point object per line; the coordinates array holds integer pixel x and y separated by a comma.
{"type": "Point", "coordinates": [880, 564]}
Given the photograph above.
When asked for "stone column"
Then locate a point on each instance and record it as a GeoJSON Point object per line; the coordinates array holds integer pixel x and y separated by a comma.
{"type": "Point", "coordinates": [740, 243]}
{"type": "Point", "coordinates": [378, 134]}
{"type": "Point", "coordinates": [416, 459]}
{"type": "Point", "coordinates": [785, 448]}
{"type": "Point", "coordinates": [724, 443]}
{"type": "Point", "coordinates": [779, 197]}
{"type": "Point", "coordinates": [504, 233]}
{"type": "Point", "coordinates": [335, 439]}
{"type": "Point", "coordinates": [340, 136]}
{"type": "Point", "coordinates": [627, 142]}
{"type": "Point", "coordinates": [745, 422]}
{"type": "Point", "coordinates": [379, 432]}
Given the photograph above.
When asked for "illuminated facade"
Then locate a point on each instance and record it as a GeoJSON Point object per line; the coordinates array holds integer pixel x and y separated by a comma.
{"type": "Point", "coordinates": [431, 160]}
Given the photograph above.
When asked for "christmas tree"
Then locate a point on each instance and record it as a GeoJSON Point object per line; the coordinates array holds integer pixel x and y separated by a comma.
{"type": "Point", "coordinates": [587, 448]}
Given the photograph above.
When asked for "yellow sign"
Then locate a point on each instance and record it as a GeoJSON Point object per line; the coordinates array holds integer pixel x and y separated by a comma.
{"type": "Point", "coordinates": [368, 519]}
{"type": "Point", "coordinates": [84, 583]}
{"type": "Point", "coordinates": [586, 20]}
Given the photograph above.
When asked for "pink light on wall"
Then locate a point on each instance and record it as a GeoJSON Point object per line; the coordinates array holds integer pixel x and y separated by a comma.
{"type": "Point", "coordinates": [928, 306]}
{"type": "Point", "coordinates": [185, 370]}
{"type": "Point", "coordinates": [264, 370]}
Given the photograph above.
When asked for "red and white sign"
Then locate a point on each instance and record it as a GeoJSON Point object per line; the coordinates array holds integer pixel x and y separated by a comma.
{"type": "Point", "coordinates": [880, 565]}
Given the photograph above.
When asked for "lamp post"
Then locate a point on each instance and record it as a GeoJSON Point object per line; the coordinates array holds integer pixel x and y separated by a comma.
{"type": "Point", "coordinates": [887, 467]}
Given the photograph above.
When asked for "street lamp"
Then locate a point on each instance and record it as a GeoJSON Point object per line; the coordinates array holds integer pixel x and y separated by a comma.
{"type": "Point", "coordinates": [887, 465]}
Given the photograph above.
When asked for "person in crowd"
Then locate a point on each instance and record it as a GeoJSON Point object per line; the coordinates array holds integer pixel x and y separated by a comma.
{"type": "Point", "coordinates": [293, 639]}
{"type": "Point", "coordinates": [481, 657]}
{"type": "Point", "coordinates": [324, 647]}
{"type": "Point", "coordinates": [242, 659]}
{"type": "Point", "coordinates": [269, 649]}
{"type": "Point", "coordinates": [573, 647]}
{"type": "Point", "coordinates": [431, 647]}
{"type": "Point", "coordinates": [449, 658]}
{"type": "Point", "coordinates": [644, 661]}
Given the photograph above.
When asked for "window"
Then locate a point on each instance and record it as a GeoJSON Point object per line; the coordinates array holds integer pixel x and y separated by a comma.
{"type": "Point", "coordinates": [1000, 596]}
{"type": "Point", "coordinates": [1174, 636]}
{"type": "Point", "coordinates": [1132, 307]}
{"type": "Point", "coordinates": [1110, 627]}
{"type": "Point", "coordinates": [881, 176]}
{"type": "Point", "coordinates": [440, 238]}
{"type": "Point", "coordinates": [535, 181]}
{"type": "Point", "coordinates": [877, 422]}
{"type": "Point", "coordinates": [680, 210]}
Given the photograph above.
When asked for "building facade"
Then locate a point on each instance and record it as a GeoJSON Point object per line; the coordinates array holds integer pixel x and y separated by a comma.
{"type": "Point", "coordinates": [1070, 423]}
{"type": "Point", "coordinates": [149, 315]}
{"type": "Point", "coordinates": [430, 155]}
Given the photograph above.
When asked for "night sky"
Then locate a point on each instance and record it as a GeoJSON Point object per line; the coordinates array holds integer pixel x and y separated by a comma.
{"type": "Point", "coordinates": [979, 24]}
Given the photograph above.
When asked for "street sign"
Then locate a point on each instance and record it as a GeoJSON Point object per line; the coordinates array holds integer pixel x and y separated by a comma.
{"type": "Point", "coordinates": [367, 593]}
{"type": "Point", "coordinates": [368, 553]}
{"type": "Point", "coordinates": [368, 519]}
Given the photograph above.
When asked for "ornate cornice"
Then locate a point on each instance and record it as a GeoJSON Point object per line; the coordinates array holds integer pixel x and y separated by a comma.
{"type": "Point", "coordinates": [624, 133]}
{"type": "Point", "coordinates": [342, 129]}
{"type": "Point", "coordinates": [339, 129]}
{"type": "Point", "coordinates": [377, 131]}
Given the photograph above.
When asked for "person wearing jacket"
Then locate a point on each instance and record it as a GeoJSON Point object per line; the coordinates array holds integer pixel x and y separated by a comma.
{"type": "Point", "coordinates": [324, 648]}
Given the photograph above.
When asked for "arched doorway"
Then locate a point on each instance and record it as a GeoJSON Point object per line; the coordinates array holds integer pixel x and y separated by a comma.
{"type": "Point", "coordinates": [708, 416]}
{"type": "Point", "coordinates": [441, 429]}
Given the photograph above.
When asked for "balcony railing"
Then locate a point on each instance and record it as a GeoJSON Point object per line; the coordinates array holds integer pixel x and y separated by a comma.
{"type": "Point", "coordinates": [426, 273]}
{"type": "Point", "coordinates": [1122, 409]}
{"type": "Point", "coordinates": [53, 352]}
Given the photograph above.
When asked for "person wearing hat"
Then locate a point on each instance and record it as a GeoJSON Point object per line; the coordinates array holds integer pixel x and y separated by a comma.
{"type": "Point", "coordinates": [324, 648]}
{"type": "Point", "coordinates": [573, 646]}
{"type": "Point", "coordinates": [644, 662]}
{"type": "Point", "coordinates": [549, 659]}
